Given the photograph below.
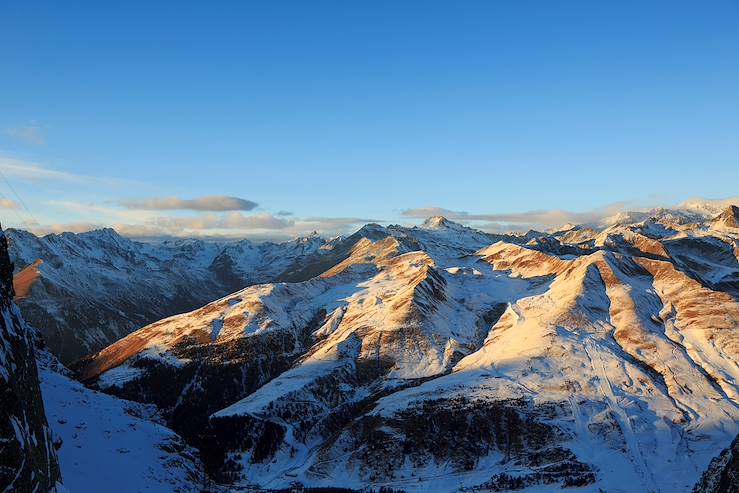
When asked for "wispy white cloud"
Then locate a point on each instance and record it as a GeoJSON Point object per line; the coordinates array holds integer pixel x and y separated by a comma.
{"type": "Point", "coordinates": [30, 171]}
{"type": "Point", "coordinates": [208, 203]}
{"type": "Point", "coordinates": [28, 134]}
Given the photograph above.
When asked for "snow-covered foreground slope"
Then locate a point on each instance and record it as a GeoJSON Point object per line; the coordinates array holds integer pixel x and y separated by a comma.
{"type": "Point", "coordinates": [440, 358]}
{"type": "Point", "coordinates": [108, 444]}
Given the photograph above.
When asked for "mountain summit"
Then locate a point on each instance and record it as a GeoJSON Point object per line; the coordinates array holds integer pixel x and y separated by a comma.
{"type": "Point", "coordinates": [436, 222]}
{"type": "Point", "coordinates": [729, 218]}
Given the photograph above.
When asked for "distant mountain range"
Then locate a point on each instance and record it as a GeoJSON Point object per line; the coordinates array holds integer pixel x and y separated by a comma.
{"type": "Point", "coordinates": [85, 291]}
{"type": "Point", "coordinates": [429, 358]}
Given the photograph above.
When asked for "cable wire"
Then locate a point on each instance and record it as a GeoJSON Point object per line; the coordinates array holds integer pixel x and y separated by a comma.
{"type": "Point", "coordinates": [20, 201]}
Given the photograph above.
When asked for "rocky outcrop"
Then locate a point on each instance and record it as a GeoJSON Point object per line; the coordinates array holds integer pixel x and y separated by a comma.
{"type": "Point", "coordinates": [459, 432]}
{"type": "Point", "coordinates": [729, 218]}
{"type": "Point", "coordinates": [28, 461]}
{"type": "Point", "coordinates": [722, 475]}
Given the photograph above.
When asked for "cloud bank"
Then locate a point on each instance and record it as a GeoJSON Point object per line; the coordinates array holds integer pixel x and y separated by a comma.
{"type": "Point", "coordinates": [157, 224]}
{"type": "Point", "coordinates": [516, 221]}
{"type": "Point", "coordinates": [209, 203]}
{"type": "Point", "coordinates": [230, 221]}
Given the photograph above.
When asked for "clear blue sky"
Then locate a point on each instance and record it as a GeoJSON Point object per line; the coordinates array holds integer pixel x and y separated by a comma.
{"type": "Point", "coordinates": [363, 109]}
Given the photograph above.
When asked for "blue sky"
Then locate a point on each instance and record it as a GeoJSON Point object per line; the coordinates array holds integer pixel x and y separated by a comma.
{"type": "Point", "coordinates": [130, 113]}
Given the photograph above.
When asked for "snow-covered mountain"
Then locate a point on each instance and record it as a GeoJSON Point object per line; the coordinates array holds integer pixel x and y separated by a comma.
{"type": "Point", "coordinates": [85, 291]}
{"type": "Point", "coordinates": [58, 436]}
{"type": "Point", "coordinates": [441, 358]}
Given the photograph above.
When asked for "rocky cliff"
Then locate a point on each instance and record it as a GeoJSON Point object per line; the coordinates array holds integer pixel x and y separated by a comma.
{"type": "Point", "coordinates": [28, 458]}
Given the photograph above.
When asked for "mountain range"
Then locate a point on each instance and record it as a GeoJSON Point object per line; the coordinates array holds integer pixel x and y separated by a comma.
{"type": "Point", "coordinates": [85, 291]}
{"type": "Point", "coordinates": [601, 357]}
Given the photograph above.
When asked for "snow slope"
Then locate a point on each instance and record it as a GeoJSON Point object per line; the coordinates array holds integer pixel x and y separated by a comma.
{"type": "Point", "coordinates": [108, 444]}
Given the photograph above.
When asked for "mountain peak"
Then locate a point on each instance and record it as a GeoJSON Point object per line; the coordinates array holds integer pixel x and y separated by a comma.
{"type": "Point", "coordinates": [437, 222]}
{"type": "Point", "coordinates": [372, 231]}
{"type": "Point", "coordinates": [728, 217]}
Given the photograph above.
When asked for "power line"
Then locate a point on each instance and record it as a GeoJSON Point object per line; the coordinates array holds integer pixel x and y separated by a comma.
{"type": "Point", "coordinates": [15, 211]}
{"type": "Point", "coordinates": [20, 200]}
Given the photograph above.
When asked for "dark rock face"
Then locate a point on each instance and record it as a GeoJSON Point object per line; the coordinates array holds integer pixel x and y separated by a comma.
{"type": "Point", "coordinates": [28, 459]}
{"type": "Point", "coordinates": [722, 475]}
{"type": "Point", "coordinates": [460, 431]}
